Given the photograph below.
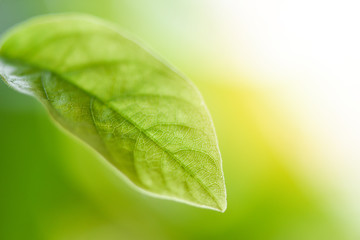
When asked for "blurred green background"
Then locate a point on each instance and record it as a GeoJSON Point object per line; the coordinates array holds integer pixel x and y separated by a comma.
{"type": "Point", "coordinates": [54, 187]}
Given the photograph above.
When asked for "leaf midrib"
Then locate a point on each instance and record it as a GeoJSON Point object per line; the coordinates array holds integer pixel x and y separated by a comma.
{"type": "Point", "coordinates": [109, 105]}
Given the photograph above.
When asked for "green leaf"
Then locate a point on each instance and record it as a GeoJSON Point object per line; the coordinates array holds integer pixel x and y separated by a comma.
{"type": "Point", "coordinates": [146, 119]}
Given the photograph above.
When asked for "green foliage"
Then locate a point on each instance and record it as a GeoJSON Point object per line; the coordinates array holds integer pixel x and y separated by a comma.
{"type": "Point", "coordinates": [146, 119]}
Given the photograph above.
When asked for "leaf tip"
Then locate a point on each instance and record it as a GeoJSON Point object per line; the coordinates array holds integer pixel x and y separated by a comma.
{"type": "Point", "coordinates": [222, 205]}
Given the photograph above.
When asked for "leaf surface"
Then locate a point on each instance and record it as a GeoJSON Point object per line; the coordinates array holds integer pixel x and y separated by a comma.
{"type": "Point", "coordinates": [145, 118]}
